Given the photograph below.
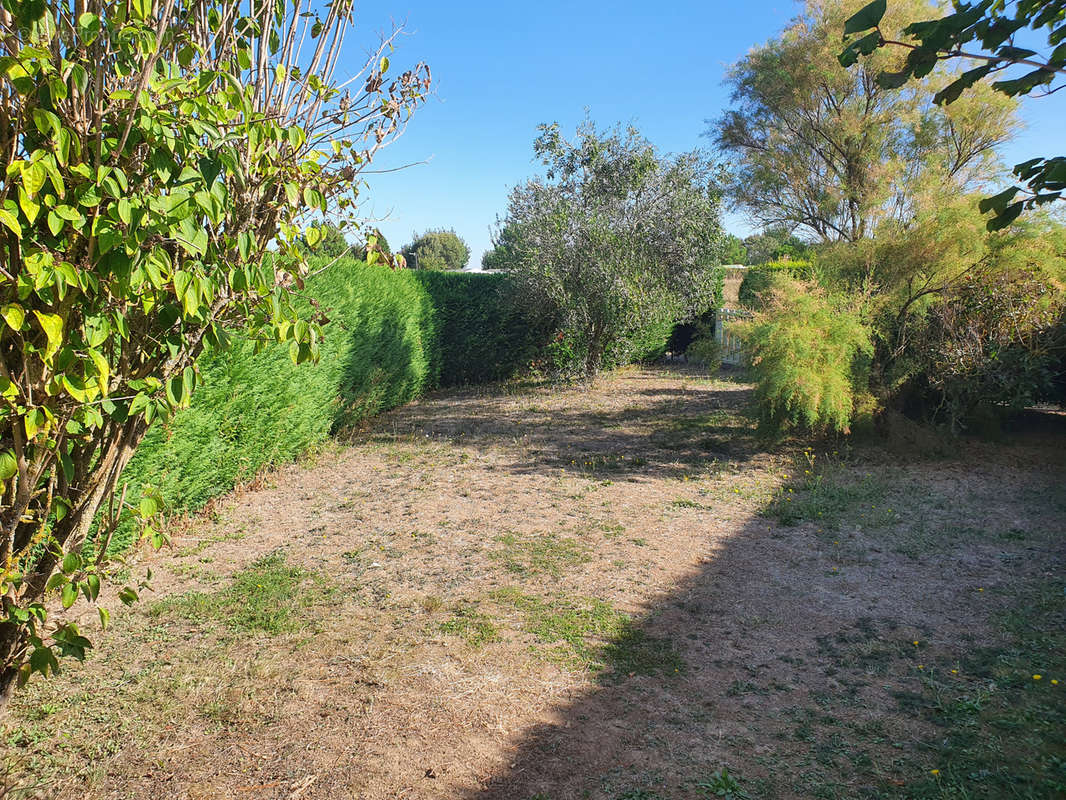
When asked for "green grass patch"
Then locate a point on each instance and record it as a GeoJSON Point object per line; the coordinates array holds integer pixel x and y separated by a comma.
{"type": "Point", "coordinates": [471, 625]}
{"type": "Point", "coordinates": [592, 634]}
{"type": "Point", "coordinates": [270, 596]}
{"type": "Point", "coordinates": [828, 497]}
{"type": "Point", "coordinates": [1002, 727]}
{"type": "Point", "coordinates": [539, 554]}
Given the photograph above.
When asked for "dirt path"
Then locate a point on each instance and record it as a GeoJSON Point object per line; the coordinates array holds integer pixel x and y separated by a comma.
{"type": "Point", "coordinates": [607, 592]}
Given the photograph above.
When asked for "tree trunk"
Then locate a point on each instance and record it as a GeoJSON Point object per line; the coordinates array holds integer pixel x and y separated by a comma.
{"type": "Point", "coordinates": [70, 533]}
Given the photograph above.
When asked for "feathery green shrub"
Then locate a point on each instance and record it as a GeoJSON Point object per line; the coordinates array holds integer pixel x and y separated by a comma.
{"type": "Point", "coordinates": [810, 359]}
{"type": "Point", "coordinates": [758, 280]}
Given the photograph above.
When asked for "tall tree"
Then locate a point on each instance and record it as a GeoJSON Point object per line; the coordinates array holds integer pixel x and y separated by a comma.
{"type": "Point", "coordinates": [828, 150]}
{"type": "Point", "coordinates": [983, 36]}
{"type": "Point", "coordinates": [616, 237]}
{"type": "Point", "coordinates": [152, 151]}
{"type": "Point", "coordinates": [437, 250]}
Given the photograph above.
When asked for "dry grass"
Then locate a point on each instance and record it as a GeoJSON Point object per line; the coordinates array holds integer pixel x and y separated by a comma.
{"type": "Point", "coordinates": [602, 592]}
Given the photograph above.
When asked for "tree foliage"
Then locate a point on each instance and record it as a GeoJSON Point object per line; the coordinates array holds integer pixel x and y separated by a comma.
{"type": "Point", "coordinates": [437, 250]}
{"type": "Point", "coordinates": [734, 250]}
{"type": "Point", "coordinates": [830, 151]}
{"type": "Point", "coordinates": [775, 244]}
{"type": "Point", "coordinates": [963, 322]}
{"type": "Point", "coordinates": [505, 248]}
{"type": "Point", "coordinates": [152, 151]}
{"type": "Point", "coordinates": [983, 33]}
{"type": "Point", "coordinates": [614, 239]}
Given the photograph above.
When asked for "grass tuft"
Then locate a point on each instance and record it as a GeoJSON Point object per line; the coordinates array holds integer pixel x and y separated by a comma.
{"type": "Point", "coordinates": [267, 597]}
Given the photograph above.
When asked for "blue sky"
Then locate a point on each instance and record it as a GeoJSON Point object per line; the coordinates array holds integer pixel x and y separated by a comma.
{"type": "Point", "coordinates": [500, 69]}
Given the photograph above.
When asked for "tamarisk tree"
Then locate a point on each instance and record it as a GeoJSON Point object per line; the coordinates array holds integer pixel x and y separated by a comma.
{"type": "Point", "coordinates": [150, 153]}
{"type": "Point", "coordinates": [985, 35]}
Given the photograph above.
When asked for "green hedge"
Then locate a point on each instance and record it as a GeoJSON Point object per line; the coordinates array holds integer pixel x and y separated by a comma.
{"type": "Point", "coordinates": [391, 336]}
{"type": "Point", "coordinates": [254, 410]}
{"type": "Point", "coordinates": [482, 336]}
{"type": "Point", "coordinates": [758, 279]}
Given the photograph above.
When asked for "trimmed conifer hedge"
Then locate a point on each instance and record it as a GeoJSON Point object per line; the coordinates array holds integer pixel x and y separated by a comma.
{"type": "Point", "coordinates": [392, 336]}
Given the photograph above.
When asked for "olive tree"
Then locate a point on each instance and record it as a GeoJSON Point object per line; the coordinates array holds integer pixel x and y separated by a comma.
{"type": "Point", "coordinates": [152, 151]}
{"type": "Point", "coordinates": [614, 238]}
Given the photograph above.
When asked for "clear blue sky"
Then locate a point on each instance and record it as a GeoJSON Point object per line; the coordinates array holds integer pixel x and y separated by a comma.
{"type": "Point", "coordinates": [500, 69]}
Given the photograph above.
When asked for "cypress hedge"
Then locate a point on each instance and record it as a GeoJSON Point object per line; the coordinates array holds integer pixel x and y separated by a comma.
{"type": "Point", "coordinates": [391, 336]}
{"type": "Point", "coordinates": [482, 336]}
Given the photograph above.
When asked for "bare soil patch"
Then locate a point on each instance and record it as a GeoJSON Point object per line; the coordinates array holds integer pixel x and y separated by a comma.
{"type": "Point", "coordinates": [609, 591]}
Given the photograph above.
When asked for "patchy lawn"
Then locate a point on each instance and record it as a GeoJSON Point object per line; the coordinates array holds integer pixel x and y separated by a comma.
{"type": "Point", "coordinates": [612, 592]}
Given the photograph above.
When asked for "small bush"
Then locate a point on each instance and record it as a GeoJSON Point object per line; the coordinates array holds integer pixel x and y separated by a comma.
{"type": "Point", "coordinates": [706, 352]}
{"type": "Point", "coordinates": [810, 359]}
{"type": "Point", "coordinates": [992, 343]}
{"type": "Point", "coordinates": [758, 280]}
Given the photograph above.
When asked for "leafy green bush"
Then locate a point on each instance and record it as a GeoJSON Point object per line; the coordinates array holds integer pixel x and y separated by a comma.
{"type": "Point", "coordinates": [758, 280]}
{"type": "Point", "coordinates": [993, 342]}
{"type": "Point", "coordinates": [705, 351]}
{"type": "Point", "coordinates": [810, 359]}
{"type": "Point", "coordinates": [482, 335]}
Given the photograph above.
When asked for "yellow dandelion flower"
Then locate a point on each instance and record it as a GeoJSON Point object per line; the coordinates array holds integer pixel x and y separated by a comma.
{"type": "Point", "coordinates": [954, 672]}
{"type": "Point", "coordinates": [915, 642]}
{"type": "Point", "coordinates": [934, 772]}
{"type": "Point", "coordinates": [1037, 677]}
{"type": "Point", "coordinates": [1054, 682]}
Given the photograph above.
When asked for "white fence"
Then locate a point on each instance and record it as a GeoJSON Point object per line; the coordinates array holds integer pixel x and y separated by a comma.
{"type": "Point", "coordinates": [731, 347]}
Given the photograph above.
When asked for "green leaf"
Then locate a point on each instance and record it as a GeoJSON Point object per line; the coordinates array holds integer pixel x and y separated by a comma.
{"type": "Point", "coordinates": [141, 9]}
{"type": "Point", "coordinates": [1005, 217]}
{"type": "Point", "coordinates": [8, 465]}
{"type": "Point", "coordinates": [13, 315]}
{"type": "Point", "coordinates": [29, 207]}
{"type": "Point", "coordinates": [33, 177]}
{"type": "Point", "coordinates": [148, 507]}
{"type": "Point", "coordinates": [11, 221]}
{"type": "Point", "coordinates": [864, 46]}
{"type": "Point", "coordinates": [105, 617]}
{"type": "Point", "coordinates": [52, 325]}
{"type": "Point", "coordinates": [124, 210]}
{"type": "Point", "coordinates": [71, 563]}
{"type": "Point", "coordinates": [57, 580]}
{"type": "Point", "coordinates": [128, 596]}
{"type": "Point", "coordinates": [997, 202]}
{"type": "Point", "coordinates": [88, 27]}
{"type": "Point", "coordinates": [867, 17]}
{"type": "Point", "coordinates": [69, 595]}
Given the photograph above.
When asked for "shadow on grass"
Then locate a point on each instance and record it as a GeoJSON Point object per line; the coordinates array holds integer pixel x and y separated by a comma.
{"type": "Point", "coordinates": [669, 431]}
{"type": "Point", "coordinates": [782, 668]}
